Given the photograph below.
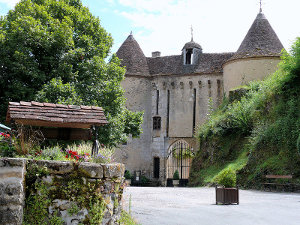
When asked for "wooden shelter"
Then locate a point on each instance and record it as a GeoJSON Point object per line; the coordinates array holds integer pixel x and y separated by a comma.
{"type": "Point", "coordinates": [57, 121]}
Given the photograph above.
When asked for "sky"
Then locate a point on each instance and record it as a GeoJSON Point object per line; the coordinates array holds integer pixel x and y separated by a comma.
{"type": "Point", "coordinates": [165, 25]}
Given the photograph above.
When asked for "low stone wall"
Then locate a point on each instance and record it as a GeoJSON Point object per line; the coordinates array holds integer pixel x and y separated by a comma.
{"type": "Point", "coordinates": [12, 180]}
{"type": "Point", "coordinates": [59, 192]}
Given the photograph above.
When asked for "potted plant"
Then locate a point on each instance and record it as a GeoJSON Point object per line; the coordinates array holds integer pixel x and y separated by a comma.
{"type": "Point", "coordinates": [226, 190]}
{"type": "Point", "coordinates": [127, 176]}
{"type": "Point", "coordinates": [176, 178]}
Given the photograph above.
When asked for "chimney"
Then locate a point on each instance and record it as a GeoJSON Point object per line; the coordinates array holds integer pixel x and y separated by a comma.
{"type": "Point", "coordinates": [155, 54]}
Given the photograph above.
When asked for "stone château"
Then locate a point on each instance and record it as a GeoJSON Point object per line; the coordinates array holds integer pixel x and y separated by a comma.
{"type": "Point", "coordinates": [177, 93]}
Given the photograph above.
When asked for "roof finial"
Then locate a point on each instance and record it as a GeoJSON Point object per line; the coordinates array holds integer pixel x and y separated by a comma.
{"type": "Point", "coordinates": [260, 8]}
{"type": "Point", "coordinates": [192, 35]}
{"type": "Point", "coordinates": [130, 32]}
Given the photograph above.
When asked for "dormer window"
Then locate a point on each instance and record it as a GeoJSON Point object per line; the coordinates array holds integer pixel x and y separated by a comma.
{"type": "Point", "coordinates": [189, 56]}
{"type": "Point", "coordinates": [191, 52]}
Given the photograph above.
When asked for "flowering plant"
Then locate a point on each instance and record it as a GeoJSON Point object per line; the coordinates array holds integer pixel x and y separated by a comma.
{"type": "Point", "coordinates": [78, 157]}
{"type": "Point", "coordinates": [4, 136]}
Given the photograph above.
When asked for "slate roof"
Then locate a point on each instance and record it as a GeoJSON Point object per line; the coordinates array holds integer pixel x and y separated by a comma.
{"type": "Point", "coordinates": [133, 57]}
{"type": "Point", "coordinates": [55, 115]}
{"type": "Point", "coordinates": [261, 40]}
{"type": "Point", "coordinates": [191, 44]}
{"type": "Point", "coordinates": [207, 63]}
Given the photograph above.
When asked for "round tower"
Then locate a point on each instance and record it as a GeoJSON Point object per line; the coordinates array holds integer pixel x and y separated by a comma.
{"type": "Point", "coordinates": [135, 153]}
{"type": "Point", "coordinates": [256, 58]}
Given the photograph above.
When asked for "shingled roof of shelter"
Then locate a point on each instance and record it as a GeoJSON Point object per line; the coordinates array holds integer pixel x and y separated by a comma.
{"type": "Point", "coordinates": [208, 63]}
{"type": "Point", "coordinates": [55, 115]}
{"type": "Point", "coordinates": [191, 45]}
{"type": "Point", "coordinates": [261, 40]}
{"type": "Point", "coordinates": [133, 57]}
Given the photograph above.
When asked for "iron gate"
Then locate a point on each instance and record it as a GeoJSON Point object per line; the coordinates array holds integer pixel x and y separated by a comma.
{"type": "Point", "coordinates": [179, 158]}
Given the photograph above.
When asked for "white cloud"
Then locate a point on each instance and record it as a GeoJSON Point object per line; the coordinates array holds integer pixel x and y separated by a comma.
{"type": "Point", "coordinates": [219, 26]}
{"type": "Point", "coordinates": [10, 3]}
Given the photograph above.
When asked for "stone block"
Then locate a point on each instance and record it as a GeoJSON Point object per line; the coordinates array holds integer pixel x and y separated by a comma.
{"type": "Point", "coordinates": [92, 170]}
{"type": "Point", "coordinates": [12, 162]}
{"type": "Point", "coordinates": [115, 170]}
{"type": "Point", "coordinates": [54, 167]}
{"type": "Point", "coordinates": [11, 215]}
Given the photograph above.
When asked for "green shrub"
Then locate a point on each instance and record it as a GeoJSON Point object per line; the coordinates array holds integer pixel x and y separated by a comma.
{"type": "Point", "coordinates": [127, 175]}
{"type": "Point", "coordinates": [227, 178]}
{"type": "Point", "coordinates": [176, 175]}
{"type": "Point", "coordinates": [53, 153]}
{"type": "Point", "coordinates": [7, 149]}
{"type": "Point", "coordinates": [144, 180]}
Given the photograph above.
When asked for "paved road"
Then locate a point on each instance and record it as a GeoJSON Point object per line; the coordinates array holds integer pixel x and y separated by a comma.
{"type": "Point", "coordinates": [189, 206]}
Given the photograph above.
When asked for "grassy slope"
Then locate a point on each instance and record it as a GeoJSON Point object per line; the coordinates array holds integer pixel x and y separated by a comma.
{"type": "Point", "coordinates": [257, 135]}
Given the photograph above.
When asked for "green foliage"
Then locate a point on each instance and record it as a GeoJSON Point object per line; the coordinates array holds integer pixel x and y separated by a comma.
{"type": "Point", "coordinates": [36, 207]}
{"type": "Point", "coordinates": [176, 175]}
{"type": "Point", "coordinates": [264, 124]}
{"type": "Point", "coordinates": [127, 174]}
{"type": "Point", "coordinates": [81, 194]}
{"type": "Point", "coordinates": [54, 51]}
{"type": "Point", "coordinates": [227, 178]}
{"type": "Point", "coordinates": [144, 180]}
{"type": "Point", "coordinates": [126, 219]}
{"type": "Point", "coordinates": [57, 91]}
{"type": "Point", "coordinates": [73, 210]}
{"type": "Point", "coordinates": [51, 153]}
{"type": "Point", "coordinates": [6, 147]}
{"type": "Point", "coordinates": [298, 144]}
{"type": "Point", "coordinates": [185, 153]}
{"type": "Point", "coordinates": [96, 212]}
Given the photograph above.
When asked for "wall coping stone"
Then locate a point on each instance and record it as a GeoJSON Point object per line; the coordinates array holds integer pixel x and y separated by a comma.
{"type": "Point", "coordinates": [12, 162]}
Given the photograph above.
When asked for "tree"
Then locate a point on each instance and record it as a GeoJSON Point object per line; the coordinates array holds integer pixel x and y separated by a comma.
{"type": "Point", "coordinates": [55, 51]}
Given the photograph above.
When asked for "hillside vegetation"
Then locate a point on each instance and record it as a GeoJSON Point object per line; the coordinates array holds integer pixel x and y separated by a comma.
{"type": "Point", "coordinates": [256, 135]}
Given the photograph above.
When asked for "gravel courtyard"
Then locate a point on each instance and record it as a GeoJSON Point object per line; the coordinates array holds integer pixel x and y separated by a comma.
{"type": "Point", "coordinates": [180, 206]}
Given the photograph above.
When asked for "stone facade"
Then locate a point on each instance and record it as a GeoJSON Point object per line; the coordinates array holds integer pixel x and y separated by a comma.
{"type": "Point", "coordinates": [178, 92]}
{"type": "Point", "coordinates": [68, 187]}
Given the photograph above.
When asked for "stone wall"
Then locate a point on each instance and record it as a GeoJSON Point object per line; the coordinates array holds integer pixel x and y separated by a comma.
{"type": "Point", "coordinates": [135, 153]}
{"type": "Point", "coordinates": [59, 192]}
{"type": "Point", "coordinates": [12, 180]}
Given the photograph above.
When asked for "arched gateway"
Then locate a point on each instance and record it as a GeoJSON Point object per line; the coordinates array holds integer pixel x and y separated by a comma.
{"type": "Point", "coordinates": [179, 158]}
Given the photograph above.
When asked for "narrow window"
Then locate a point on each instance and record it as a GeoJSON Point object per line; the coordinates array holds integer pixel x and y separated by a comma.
{"type": "Point", "coordinates": [156, 123]}
{"type": "Point", "coordinates": [209, 83]}
{"type": "Point", "coordinates": [157, 101]}
{"type": "Point", "coordinates": [156, 167]}
{"type": "Point", "coordinates": [209, 88]}
{"type": "Point", "coordinates": [168, 113]}
{"type": "Point", "coordinates": [219, 91]}
{"type": "Point", "coordinates": [194, 112]}
{"type": "Point", "coordinates": [188, 56]}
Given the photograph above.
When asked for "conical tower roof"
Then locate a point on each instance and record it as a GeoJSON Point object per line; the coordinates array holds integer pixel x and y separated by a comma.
{"type": "Point", "coordinates": [133, 57]}
{"type": "Point", "coordinates": [261, 40]}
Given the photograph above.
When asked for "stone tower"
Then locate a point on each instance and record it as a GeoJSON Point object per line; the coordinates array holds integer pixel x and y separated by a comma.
{"type": "Point", "coordinates": [257, 56]}
{"type": "Point", "coordinates": [137, 86]}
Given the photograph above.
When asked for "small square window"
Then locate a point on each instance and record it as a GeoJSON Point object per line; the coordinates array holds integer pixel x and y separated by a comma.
{"type": "Point", "coordinates": [156, 123]}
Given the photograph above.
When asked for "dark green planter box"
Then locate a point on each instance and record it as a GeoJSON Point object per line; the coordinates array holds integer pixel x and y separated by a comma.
{"type": "Point", "coordinates": [227, 196]}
